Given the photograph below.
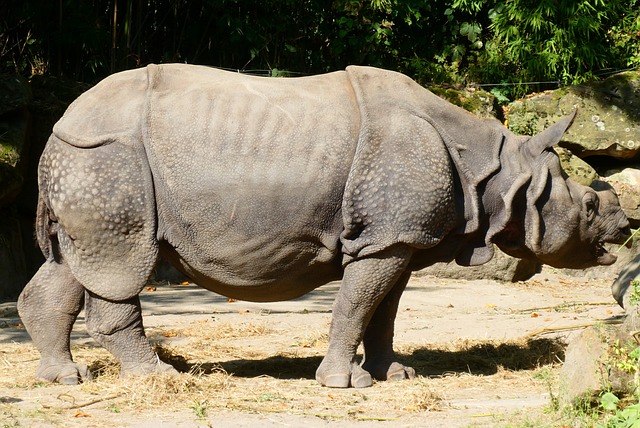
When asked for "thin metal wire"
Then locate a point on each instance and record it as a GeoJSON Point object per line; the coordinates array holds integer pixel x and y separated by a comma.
{"type": "Point", "coordinates": [560, 83]}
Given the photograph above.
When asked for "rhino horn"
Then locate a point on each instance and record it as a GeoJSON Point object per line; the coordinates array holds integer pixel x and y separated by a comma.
{"type": "Point", "coordinates": [550, 136]}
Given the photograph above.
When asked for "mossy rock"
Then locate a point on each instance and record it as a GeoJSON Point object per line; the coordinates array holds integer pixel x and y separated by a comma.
{"type": "Point", "coordinates": [608, 119]}
{"type": "Point", "coordinates": [480, 103]}
{"type": "Point", "coordinates": [576, 168]}
{"type": "Point", "coordinates": [596, 361]}
{"type": "Point", "coordinates": [501, 267]}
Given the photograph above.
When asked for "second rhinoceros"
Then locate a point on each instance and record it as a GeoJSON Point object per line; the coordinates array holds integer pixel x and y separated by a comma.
{"type": "Point", "coordinates": [263, 189]}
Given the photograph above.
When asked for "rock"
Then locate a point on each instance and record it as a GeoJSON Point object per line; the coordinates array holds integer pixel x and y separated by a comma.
{"type": "Point", "coordinates": [576, 168]}
{"type": "Point", "coordinates": [622, 289]}
{"type": "Point", "coordinates": [603, 358]}
{"type": "Point", "coordinates": [481, 103]}
{"type": "Point", "coordinates": [597, 361]}
{"type": "Point", "coordinates": [608, 119]}
{"type": "Point", "coordinates": [501, 268]}
{"type": "Point", "coordinates": [626, 182]}
{"type": "Point", "coordinates": [581, 375]}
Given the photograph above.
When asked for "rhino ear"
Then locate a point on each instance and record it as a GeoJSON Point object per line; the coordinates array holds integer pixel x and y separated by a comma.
{"type": "Point", "coordinates": [550, 136]}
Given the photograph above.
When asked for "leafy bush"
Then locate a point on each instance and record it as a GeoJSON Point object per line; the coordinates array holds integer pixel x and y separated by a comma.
{"type": "Point", "coordinates": [443, 41]}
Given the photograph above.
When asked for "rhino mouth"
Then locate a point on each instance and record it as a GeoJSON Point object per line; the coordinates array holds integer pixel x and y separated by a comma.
{"type": "Point", "coordinates": [604, 257]}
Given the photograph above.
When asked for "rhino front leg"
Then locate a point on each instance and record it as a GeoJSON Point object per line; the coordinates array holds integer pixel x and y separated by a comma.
{"type": "Point", "coordinates": [117, 326]}
{"type": "Point", "coordinates": [48, 307]}
{"type": "Point", "coordinates": [365, 284]}
{"type": "Point", "coordinates": [379, 358]}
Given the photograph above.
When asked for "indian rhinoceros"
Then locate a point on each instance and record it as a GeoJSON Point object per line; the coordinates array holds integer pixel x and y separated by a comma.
{"type": "Point", "coordinates": [263, 189]}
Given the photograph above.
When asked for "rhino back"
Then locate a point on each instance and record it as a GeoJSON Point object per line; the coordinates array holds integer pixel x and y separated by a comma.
{"type": "Point", "coordinates": [250, 172]}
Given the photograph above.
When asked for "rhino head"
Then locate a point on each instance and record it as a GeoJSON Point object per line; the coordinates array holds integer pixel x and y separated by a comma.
{"type": "Point", "coordinates": [545, 215]}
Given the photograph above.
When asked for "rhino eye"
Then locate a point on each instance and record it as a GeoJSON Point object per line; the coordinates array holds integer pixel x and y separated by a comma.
{"type": "Point", "coordinates": [590, 203]}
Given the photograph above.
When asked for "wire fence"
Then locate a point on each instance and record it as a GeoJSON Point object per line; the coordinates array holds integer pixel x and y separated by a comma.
{"type": "Point", "coordinates": [288, 73]}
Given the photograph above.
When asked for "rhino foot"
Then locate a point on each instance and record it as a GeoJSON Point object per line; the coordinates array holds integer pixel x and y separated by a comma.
{"type": "Point", "coordinates": [139, 369]}
{"type": "Point", "coordinates": [389, 371]}
{"type": "Point", "coordinates": [67, 372]}
{"type": "Point", "coordinates": [355, 377]}
{"type": "Point", "coordinates": [399, 372]}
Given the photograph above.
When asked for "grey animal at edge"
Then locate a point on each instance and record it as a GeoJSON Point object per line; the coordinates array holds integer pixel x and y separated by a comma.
{"type": "Point", "coordinates": [264, 189]}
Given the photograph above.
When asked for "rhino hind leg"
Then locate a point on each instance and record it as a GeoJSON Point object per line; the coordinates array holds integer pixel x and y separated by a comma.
{"type": "Point", "coordinates": [379, 358]}
{"type": "Point", "coordinates": [117, 326]}
{"type": "Point", "coordinates": [365, 284]}
{"type": "Point", "coordinates": [102, 212]}
{"type": "Point", "coordinates": [48, 307]}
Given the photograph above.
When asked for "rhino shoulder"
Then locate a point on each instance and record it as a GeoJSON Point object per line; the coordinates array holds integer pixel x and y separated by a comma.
{"type": "Point", "coordinates": [405, 124]}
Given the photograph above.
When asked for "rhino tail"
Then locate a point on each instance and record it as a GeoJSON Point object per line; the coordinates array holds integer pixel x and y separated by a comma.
{"type": "Point", "coordinates": [43, 228]}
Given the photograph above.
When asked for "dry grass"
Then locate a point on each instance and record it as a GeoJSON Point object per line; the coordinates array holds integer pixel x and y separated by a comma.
{"type": "Point", "coordinates": [427, 398]}
{"type": "Point", "coordinates": [18, 363]}
{"type": "Point", "coordinates": [219, 372]}
{"type": "Point", "coordinates": [289, 388]}
{"type": "Point", "coordinates": [207, 330]}
{"type": "Point", "coordinates": [484, 357]}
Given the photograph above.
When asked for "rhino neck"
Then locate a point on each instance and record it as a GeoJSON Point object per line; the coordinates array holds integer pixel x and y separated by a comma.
{"type": "Point", "coordinates": [476, 161]}
{"type": "Point", "coordinates": [506, 200]}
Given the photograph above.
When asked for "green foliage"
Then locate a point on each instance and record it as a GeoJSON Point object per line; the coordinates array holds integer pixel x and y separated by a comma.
{"type": "Point", "coordinates": [626, 358]}
{"type": "Point", "coordinates": [444, 41]}
{"type": "Point", "coordinates": [634, 297]}
{"type": "Point", "coordinates": [625, 35]}
{"type": "Point", "coordinates": [553, 40]}
{"type": "Point", "coordinates": [200, 409]}
{"type": "Point", "coordinates": [616, 415]}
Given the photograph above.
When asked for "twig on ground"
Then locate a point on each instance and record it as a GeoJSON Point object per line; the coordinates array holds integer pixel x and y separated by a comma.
{"type": "Point", "coordinates": [546, 330]}
{"type": "Point", "coordinates": [87, 403]}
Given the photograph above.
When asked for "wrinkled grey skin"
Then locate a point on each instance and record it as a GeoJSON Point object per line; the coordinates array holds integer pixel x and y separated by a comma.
{"type": "Point", "coordinates": [263, 189]}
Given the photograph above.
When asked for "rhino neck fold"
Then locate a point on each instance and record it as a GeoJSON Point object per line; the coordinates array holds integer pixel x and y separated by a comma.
{"type": "Point", "coordinates": [512, 195]}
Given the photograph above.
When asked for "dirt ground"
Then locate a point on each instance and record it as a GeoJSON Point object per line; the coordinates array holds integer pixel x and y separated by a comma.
{"type": "Point", "coordinates": [486, 354]}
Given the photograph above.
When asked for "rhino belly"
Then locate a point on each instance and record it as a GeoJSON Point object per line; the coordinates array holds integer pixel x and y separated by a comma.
{"type": "Point", "coordinates": [269, 244]}
{"type": "Point", "coordinates": [249, 176]}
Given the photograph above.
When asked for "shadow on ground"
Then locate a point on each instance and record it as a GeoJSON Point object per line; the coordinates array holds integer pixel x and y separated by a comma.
{"type": "Point", "coordinates": [477, 359]}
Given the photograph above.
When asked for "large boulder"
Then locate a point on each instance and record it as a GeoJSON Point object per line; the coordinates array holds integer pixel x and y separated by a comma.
{"type": "Point", "coordinates": [608, 120]}
{"type": "Point", "coordinates": [606, 357]}
{"type": "Point", "coordinates": [481, 103]}
{"type": "Point", "coordinates": [500, 268]}
{"type": "Point", "coordinates": [600, 359]}
{"type": "Point", "coordinates": [626, 182]}
{"type": "Point", "coordinates": [576, 168]}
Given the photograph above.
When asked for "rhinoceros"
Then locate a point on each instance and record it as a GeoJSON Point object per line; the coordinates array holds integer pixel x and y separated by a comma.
{"type": "Point", "coordinates": [263, 189]}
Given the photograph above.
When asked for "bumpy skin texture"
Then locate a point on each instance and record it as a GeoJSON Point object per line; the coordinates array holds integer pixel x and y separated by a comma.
{"type": "Point", "coordinates": [263, 189]}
